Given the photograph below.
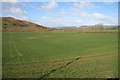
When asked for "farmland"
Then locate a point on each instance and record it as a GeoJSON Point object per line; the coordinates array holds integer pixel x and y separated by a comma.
{"type": "Point", "coordinates": [59, 55]}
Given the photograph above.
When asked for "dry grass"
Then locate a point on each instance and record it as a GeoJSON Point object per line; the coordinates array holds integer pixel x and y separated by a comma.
{"type": "Point", "coordinates": [27, 29]}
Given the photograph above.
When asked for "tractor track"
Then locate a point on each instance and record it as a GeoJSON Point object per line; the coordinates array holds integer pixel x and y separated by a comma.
{"type": "Point", "coordinates": [82, 59]}
{"type": "Point", "coordinates": [24, 76]}
{"type": "Point", "coordinates": [53, 70]}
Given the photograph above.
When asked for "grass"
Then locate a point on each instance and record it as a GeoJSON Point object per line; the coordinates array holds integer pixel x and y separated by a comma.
{"type": "Point", "coordinates": [33, 54]}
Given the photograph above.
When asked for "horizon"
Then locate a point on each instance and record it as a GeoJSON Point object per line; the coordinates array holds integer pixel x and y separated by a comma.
{"type": "Point", "coordinates": [57, 14]}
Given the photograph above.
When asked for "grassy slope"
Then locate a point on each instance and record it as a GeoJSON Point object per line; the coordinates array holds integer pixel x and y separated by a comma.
{"type": "Point", "coordinates": [35, 54]}
{"type": "Point", "coordinates": [10, 22]}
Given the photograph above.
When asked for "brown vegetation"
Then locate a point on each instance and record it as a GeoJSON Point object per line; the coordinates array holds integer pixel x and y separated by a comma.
{"type": "Point", "coordinates": [27, 29]}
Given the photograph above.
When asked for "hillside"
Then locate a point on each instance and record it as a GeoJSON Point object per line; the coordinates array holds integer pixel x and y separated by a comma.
{"type": "Point", "coordinates": [9, 22]}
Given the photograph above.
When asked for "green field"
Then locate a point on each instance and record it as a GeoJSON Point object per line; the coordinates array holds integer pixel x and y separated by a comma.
{"type": "Point", "coordinates": [60, 55]}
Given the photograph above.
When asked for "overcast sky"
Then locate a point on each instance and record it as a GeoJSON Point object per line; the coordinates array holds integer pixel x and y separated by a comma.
{"type": "Point", "coordinates": [57, 14]}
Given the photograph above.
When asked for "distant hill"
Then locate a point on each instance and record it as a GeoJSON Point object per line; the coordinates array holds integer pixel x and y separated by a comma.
{"type": "Point", "coordinates": [67, 27]}
{"type": "Point", "coordinates": [9, 22]}
{"type": "Point", "coordinates": [83, 26]}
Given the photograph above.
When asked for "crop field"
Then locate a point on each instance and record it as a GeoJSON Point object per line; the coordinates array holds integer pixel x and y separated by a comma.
{"type": "Point", "coordinates": [59, 55]}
